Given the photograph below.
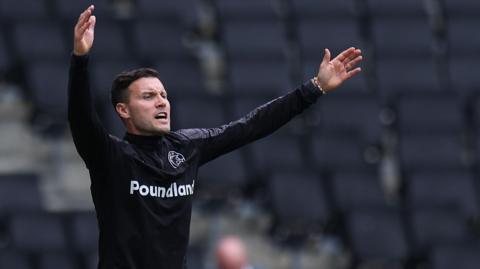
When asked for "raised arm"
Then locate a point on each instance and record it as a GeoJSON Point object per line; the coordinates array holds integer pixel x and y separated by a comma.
{"type": "Point", "coordinates": [269, 117]}
{"type": "Point", "coordinates": [89, 136]}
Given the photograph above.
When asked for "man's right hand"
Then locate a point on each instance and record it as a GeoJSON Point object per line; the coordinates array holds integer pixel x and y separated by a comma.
{"type": "Point", "coordinates": [84, 32]}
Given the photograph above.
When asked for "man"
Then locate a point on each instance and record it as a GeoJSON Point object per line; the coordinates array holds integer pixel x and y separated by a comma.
{"type": "Point", "coordinates": [142, 185]}
{"type": "Point", "coordinates": [231, 253]}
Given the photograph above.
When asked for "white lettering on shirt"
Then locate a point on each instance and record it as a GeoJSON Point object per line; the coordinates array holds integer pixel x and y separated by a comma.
{"type": "Point", "coordinates": [173, 190]}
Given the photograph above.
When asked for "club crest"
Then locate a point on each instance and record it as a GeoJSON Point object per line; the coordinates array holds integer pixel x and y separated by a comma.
{"type": "Point", "coordinates": [175, 158]}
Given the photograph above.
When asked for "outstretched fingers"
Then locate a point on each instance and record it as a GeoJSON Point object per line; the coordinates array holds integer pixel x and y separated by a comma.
{"type": "Point", "coordinates": [353, 72]}
{"type": "Point", "coordinates": [82, 28]}
{"type": "Point", "coordinates": [345, 54]}
{"type": "Point", "coordinates": [84, 20]}
{"type": "Point", "coordinates": [86, 14]}
{"type": "Point", "coordinates": [91, 22]}
{"type": "Point", "coordinates": [353, 55]}
{"type": "Point", "coordinates": [355, 61]}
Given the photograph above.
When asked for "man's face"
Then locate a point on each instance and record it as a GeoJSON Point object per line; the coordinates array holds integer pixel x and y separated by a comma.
{"type": "Point", "coordinates": [148, 109]}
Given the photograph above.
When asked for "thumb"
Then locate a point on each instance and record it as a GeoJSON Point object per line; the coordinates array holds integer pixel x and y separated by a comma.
{"type": "Point", "coordinates": [326, 56]}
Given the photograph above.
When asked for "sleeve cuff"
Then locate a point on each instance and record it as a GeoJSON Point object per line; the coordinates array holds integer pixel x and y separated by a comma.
{"type": "Point", "coordinates": [310, 91]}
{"type": "Point", "coordinates": [79, 61]}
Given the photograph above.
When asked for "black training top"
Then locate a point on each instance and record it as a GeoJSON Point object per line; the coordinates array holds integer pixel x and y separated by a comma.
{"type": "Point", "coordinates": [142, 186]}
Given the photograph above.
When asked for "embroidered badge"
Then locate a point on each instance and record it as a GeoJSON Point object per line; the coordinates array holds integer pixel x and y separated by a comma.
{"type": "Point", "coordinates": [175, 158]}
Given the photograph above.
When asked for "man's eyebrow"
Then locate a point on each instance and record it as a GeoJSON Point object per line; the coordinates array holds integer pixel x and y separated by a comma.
{"type": "Point", "coordinates": [148, 90]}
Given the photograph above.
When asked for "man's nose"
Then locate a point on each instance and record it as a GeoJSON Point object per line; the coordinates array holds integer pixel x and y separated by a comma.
{"type": "Point", "coordinates": [161, 102]}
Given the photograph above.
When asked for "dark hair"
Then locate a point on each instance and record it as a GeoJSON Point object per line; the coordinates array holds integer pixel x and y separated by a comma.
{"type": "Point", "coordinates": [119, 93]}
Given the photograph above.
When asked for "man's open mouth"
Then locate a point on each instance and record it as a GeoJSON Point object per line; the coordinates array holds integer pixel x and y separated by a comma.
{"type": "Point", "coordinates": [161, 115]}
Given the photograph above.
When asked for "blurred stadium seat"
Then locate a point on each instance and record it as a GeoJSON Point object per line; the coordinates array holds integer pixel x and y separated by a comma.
{"type": "Point", "coordinates": [180, 11]}
{"type": "Point", "coordinates": [37, 232]}
{"type": "Point", "coordinates": [462, 18]}
{"type": "Point", "coordinates": [278, 151]}
{"type": "Point", "coordinates": [173, 74]}
{"type": "Point", "coordinates": [357, 190]}
{"type": "Point", "coordinates": [416, 74]}
{"type": "Point", "coordinates": [84, 231]}
{"type": "Point", "coordinates": [292, 193]}
{"type": "Point", "coordinates": [403, 64]}
{"type": "Point", "coordinates": [461, 8]}
{"type": "Point", "coordinates": [69, 11]}
{"type": "Point", "coordinates": [254, 40]}
{"type": "Point", "coordinates": [311, 8]}
{"type": "Point", "coordinates": [433, 226]}
{"type": "Point", "coordinates": [464, 80]}
{"type": "Point", "coordinates": [154, 40]}
{"type": "Point", "coordinates": [113, 43]}
{"type": "Point", "coordinates": [4, 57]}
{"type": "Point", "coordinates": [378, 235]}
{"type": "Point", "coordinates": [14, 10]}
{"type": "Point", "coordinates": [63, 259]}
{"type": "Point", "coordinates": [362, 117]}
{"type": "Point", "coordinates": [421, 150]}
{"type": "Point", "coordinates": [420, 112]}
{"type": "Point", "coordinates": [14, 259]}
{"type": "Point", "coordinates": [198, 113]}
{"type": "Point", "coordinates": [225, 178]}
{"type": "Point", "coordinates": [47, 37]}
{"type": "Point", "coordinates": [464, 256]}
{"type": "Point", "coordinates": [452, 188]}
{"type": "Point", "coordinates": [13, 184]}
{"type": "Point", "coordinates": [338, 151]}
{"type": "Point", "coordinates": [49, 96]}
{"type": "Point", "coordinates": [259, 77]}
{"type": "Point", "coordinates": [249, 9]}
{"type": "Point", "coordinates": [337, 35]}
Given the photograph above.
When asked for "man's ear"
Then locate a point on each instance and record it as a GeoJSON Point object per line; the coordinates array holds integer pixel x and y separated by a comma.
{"type": "Point", "coordinates": [122, 110]}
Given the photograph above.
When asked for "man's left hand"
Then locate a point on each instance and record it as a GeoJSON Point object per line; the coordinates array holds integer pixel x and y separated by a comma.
{"type": "Point", "coordinates": [334, 72]}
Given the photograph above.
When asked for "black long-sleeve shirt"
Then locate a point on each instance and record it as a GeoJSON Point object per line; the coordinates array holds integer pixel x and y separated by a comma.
{"type": "Point", "coordinates": [142, 186]}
